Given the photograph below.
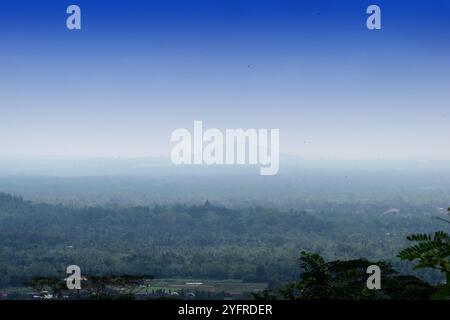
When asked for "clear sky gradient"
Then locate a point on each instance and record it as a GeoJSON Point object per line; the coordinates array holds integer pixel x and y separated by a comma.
{"type": "Point", "coordinates": [140, 69]}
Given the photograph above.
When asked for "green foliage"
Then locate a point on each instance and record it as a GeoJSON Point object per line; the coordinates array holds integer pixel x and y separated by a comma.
{"type": "Point", "coordinates": [206, 241]}
{"type": "Point", "coordinates": [92, 287]}
{"type": "Point", "coordinates": [315, 280]}
{"type": "Point", "coordinates": [431, 251]}
{"type": "Point", "coordinates": [346, 280]}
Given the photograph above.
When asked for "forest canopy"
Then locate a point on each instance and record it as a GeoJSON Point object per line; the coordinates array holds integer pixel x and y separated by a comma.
{"type": "Point", "coordinates": [206, 241]}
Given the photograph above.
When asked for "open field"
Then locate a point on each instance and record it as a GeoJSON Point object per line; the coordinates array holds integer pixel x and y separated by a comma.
{"type": "Point", "coordinates": [229, 287]}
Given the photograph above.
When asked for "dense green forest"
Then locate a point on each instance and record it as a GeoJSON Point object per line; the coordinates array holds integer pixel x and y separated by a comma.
{"type": "Point", "coordinates": [206, 241]}
{"type": "Point", "coordinates": [346, 280]}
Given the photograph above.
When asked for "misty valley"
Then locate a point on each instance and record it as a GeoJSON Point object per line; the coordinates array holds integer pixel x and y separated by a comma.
{"type": "Point", "coordinates": [227, 241]}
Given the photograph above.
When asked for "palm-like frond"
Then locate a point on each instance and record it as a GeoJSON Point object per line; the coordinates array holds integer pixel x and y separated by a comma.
{"type": "Point", "coordinates": [442, 219]}
{"type": "Point", "coordinates": [419, 237]}
{"type": "Point", "coordinates": [432, 251]}
{"type": "Point", "coordinates": [429, 246]}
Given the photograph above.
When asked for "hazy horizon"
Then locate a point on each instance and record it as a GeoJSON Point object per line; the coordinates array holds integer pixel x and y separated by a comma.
{"type": "Point", "coordinates": [122, 166]}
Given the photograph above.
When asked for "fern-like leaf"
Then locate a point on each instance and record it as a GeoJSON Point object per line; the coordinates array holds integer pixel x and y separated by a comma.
{"type": "Point", "coordinates": [419, 237]}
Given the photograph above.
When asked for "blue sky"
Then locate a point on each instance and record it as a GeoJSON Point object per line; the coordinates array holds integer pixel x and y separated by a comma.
{"type": "Point", "coordinates": [140, 69]}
